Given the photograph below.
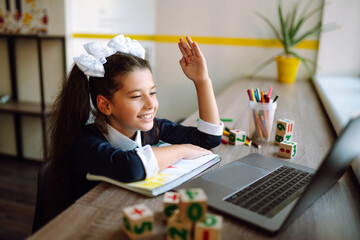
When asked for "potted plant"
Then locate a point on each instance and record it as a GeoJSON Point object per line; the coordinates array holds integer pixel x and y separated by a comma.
{"type": "Point", "coordinates": [290, 34]}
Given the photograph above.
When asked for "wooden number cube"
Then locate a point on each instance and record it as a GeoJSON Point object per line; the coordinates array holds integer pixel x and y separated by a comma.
{"type": "Point", "coordinates": [284, 126]}
{"type": "Point", "coordinates": [209, 229]}
{"type": "Point", "coordinates": [237, 137]}
{"type": "Point", "coordinates": [284, 130]}
{"type": "Point", "coordinates": [193, 204]}
{"type": "Point", "coordinates": [170, 203]}
{"type": "Point", "coordinates": [177, 228]}
{"type": "Point", "coordinates": [138, 221]}
{"type": "Point", "coordinates": [287, 149]}
{"type": "Point", "coordinates": [279, 137]}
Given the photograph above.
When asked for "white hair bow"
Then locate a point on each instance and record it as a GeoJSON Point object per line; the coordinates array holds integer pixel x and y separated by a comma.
{"type": "Point", "coordinates": [97, 52]}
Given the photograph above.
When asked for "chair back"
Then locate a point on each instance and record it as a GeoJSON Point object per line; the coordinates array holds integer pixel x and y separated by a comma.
{"type": "Point", "coordinates": [53, 193]}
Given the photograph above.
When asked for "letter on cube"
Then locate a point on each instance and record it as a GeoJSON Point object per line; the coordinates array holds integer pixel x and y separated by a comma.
{"type": "Point", "coordinates": [237, 137]}
{"type": "Point", "coordinates": [170, 203]}
{"type": "Point", "coordinates": [138, 221]}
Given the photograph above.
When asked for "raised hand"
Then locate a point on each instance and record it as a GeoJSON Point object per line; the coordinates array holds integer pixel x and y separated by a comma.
{"type": "Point", "coordinates": [194, 66]}
{"type": "Point", "coordinates": [193, 62]}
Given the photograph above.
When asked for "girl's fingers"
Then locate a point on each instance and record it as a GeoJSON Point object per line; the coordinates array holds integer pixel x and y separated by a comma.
{"type": "Point", "coordinates": [188, 39]}
{"type": "Point", "coordinates": [196, 50]}
{"type": "Point", "coordinates": [191, 44]}
{"type": "Point", "coordinates": [182, 50]}
{"type": "Point", "coordinates": [186, 48]}
{"type": "Point", "coordinates": [189, 49]}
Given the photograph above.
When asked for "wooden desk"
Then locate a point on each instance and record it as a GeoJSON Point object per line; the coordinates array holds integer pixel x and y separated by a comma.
{"type": "Point", "coordinates": [336, 215]}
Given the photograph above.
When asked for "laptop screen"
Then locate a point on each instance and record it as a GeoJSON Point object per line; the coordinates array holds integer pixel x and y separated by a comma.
{"type": "Point", "coordinates": [343, 151]}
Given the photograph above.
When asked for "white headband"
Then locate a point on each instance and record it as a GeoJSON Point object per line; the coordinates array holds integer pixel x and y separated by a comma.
{"type": "Point", "coordinates": [91, 63]}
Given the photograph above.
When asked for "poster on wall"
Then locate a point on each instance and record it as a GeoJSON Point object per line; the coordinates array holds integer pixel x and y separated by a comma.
{"type": "Point", "coordinates": [23, 16]}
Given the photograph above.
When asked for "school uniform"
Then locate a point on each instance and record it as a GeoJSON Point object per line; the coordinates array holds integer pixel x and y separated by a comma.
{"type": "Point", "coordinates": [121, 158]}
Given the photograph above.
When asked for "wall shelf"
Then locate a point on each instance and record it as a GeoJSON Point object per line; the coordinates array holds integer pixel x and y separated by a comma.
{"type": "Point", "coordinates": [26, 108]}
{"type": "Point", "coordinates": [22, 108]}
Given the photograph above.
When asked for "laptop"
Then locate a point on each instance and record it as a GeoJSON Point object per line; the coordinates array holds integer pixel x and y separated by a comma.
{"type": "Point", "coordinates": [270, 193]}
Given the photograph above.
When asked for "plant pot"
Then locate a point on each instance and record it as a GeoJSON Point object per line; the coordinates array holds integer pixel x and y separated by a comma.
{"type": "Point", "coordinates": [287, 68]}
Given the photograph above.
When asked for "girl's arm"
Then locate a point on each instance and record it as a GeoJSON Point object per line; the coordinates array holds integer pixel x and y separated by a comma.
{"type": "Point", "coordinates": [168, 155]}
{"type": "Point", "coordinates": [194, 66]}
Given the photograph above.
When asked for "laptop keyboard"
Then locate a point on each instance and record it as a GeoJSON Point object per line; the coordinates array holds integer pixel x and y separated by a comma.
{"type": "Point", "coordinates": [268, 195]}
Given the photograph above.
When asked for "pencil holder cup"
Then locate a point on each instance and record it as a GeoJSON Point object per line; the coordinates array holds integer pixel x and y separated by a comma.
{"type": "Point", "coordinates": [261, 120]}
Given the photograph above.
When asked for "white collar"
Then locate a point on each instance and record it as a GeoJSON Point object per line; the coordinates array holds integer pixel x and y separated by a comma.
{"type": "Point", "coordinates": [119, 140]}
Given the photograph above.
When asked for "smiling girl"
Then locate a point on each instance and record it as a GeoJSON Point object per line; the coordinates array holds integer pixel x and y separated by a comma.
{"type": "Point", "coordinates": [114, 83]}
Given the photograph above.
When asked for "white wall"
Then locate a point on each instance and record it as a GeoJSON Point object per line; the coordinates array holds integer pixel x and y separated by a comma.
{"type": "Point", "coordinates": [339, 50]}
{"type": "Point", "coordinates": [205, 18]}
{"type": "Point", "coordinates": [107, 17]}
{"type": "Point", "coordinates": [226, 63]}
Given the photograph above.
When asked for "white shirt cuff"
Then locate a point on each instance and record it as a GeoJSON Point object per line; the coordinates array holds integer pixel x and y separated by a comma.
{"type": "Point", "coordinates": [210, 128]}
{"type": "Point", "coordinates": [148, 158]}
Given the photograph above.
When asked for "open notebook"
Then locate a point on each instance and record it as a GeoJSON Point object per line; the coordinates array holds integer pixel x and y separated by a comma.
{"type": "Point", "coordinates": [167, 179]}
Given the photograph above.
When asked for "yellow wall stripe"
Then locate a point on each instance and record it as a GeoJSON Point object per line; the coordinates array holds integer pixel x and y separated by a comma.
{"type": "Point", "coordinates": [306, 44]}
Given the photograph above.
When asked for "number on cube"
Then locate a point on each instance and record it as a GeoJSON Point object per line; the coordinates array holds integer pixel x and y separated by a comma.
{"type": "Point", "coordinates": [287, 149]}
{"type": "Point", "coordinates": [209, 229]}
{"type": "Point", "coordinates": [284, 130]}
{"type": "Point", "coordinates": [193, 204]}
{"type": "Point", "coordinates": [177, 228]}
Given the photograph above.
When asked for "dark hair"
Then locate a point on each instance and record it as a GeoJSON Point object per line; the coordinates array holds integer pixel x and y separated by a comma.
{"type": "Point", "coordinates": [71, 110]}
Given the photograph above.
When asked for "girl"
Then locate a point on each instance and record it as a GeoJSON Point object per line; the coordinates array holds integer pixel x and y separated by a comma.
{"type": "Point", "coordinates": [118, 144]}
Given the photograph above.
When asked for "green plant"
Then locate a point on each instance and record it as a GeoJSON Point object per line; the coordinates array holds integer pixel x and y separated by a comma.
{"type": "Point", "coordinates": [291, 31]}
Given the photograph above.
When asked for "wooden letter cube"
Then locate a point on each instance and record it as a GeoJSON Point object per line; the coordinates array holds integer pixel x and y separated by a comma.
{"type": "Point", "coordinates": [193, 204]}
{"type": "Point", "coordinates": [210, 229]}
{"type": "Point", "coordinates": [138, 221]}
{"type": "Point", "coordinates": [225, 139]}
{"type": "Point", "coordinates": [237, 137]}
{"type": "Point", "coordinates": [170, 203]}
{"type": "Point", "coordinates": [177, 228]}
{"type": "Point", "coordinates": [284, 126]}
{"type": "Point", "coordinates": [287, 149]}
{"type": "Point", "coordinates": [279, 137]}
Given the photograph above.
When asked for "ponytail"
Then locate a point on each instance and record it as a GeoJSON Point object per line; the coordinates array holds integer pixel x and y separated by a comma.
{"type": "Point", "coordinates": [70, 112]}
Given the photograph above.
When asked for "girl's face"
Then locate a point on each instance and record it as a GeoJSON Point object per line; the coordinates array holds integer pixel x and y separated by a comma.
{"type": "Point", "coordinates": [134, 105]}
